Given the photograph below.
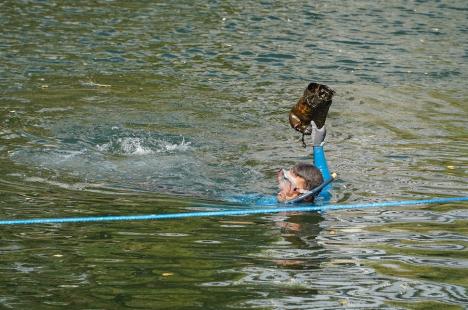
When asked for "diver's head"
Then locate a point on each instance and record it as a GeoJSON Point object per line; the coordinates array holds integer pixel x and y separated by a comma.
{"type": "Point", "coordinates": [298, 180]}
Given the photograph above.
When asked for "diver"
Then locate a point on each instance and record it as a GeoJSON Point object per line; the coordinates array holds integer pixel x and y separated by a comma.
{"type": "Point", "coordinates": [303, 182]}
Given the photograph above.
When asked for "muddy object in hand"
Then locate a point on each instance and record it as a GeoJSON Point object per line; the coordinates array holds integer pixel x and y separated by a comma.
{"type": "Point", "coordinates": [312, 106]}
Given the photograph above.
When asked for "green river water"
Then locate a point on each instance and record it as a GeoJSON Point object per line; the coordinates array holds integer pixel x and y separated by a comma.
{"type": "Point", "coordinates": [139, 107]}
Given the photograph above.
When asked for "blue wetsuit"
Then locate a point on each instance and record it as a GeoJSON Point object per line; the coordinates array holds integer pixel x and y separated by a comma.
{"type": "Point", "coordinates": [321, 163]}
{"type": "Point", "coordinates": [323, 197]}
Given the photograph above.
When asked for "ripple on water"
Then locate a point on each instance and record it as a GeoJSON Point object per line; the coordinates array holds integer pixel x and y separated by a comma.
{"type": "Point", "coordinates": [367, 260]}
{"type": "Point", "coordinates": [360, 286]}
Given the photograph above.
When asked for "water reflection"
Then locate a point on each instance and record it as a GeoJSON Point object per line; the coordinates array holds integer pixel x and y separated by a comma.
{"type": "Point", "coordinates": [347, 255]}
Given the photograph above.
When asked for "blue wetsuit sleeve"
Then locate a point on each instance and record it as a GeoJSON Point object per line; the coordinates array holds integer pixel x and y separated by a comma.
{"type": "Point", "coordinates": [321, 163]}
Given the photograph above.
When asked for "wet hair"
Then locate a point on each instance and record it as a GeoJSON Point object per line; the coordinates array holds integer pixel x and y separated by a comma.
{"type": "Point", "coordinates": [311, 174]}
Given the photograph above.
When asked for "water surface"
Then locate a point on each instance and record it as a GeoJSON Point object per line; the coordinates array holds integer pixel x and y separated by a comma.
{"type": "Point", "coordinates": [116, 107]}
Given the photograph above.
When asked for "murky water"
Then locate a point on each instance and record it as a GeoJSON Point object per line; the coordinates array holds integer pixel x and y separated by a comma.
{"type": "Point", "coordinates": [137, 107]}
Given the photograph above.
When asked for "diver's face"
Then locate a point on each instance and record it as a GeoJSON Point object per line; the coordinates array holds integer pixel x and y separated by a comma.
{"type": "Point", "coordinates": [290, 184]}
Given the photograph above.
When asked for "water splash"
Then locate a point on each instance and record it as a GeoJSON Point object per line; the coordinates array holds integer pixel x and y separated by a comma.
{"type": "Point", "coordinates": [183, 146]}
{"type": "Point", "coordinates": [145, 145]}
{"type": "Point", "coordinates": [125, 146]}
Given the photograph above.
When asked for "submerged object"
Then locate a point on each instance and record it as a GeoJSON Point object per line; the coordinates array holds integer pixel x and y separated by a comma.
{"type": "Point", "coordinates": [312, 106]}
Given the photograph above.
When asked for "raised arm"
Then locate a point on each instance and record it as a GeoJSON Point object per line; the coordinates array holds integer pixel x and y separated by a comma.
{"type": "Point", "coordinates": [318, 137]}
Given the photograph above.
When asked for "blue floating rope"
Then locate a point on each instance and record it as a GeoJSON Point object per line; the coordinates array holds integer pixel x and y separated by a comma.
{"type": "Point", "coordinates": [230, 212]}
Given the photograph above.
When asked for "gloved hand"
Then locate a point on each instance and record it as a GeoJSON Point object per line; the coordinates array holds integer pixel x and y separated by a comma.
{"type": "Point", "coordinates": [317, 135]}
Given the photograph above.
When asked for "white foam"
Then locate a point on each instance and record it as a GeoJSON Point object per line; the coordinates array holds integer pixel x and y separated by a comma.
{"type": "Point", "coordinates": [136, 146]}
{"type": "Point", "coordinates": [133, 146]}
{"type": "Point", "coordinates": [103, 147]}
{"type": "Point", "coordinates": [183, 146]}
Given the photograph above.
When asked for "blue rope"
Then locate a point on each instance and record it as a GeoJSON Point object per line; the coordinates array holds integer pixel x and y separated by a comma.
{"type": "Point", "coordinates": [230, 212]}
